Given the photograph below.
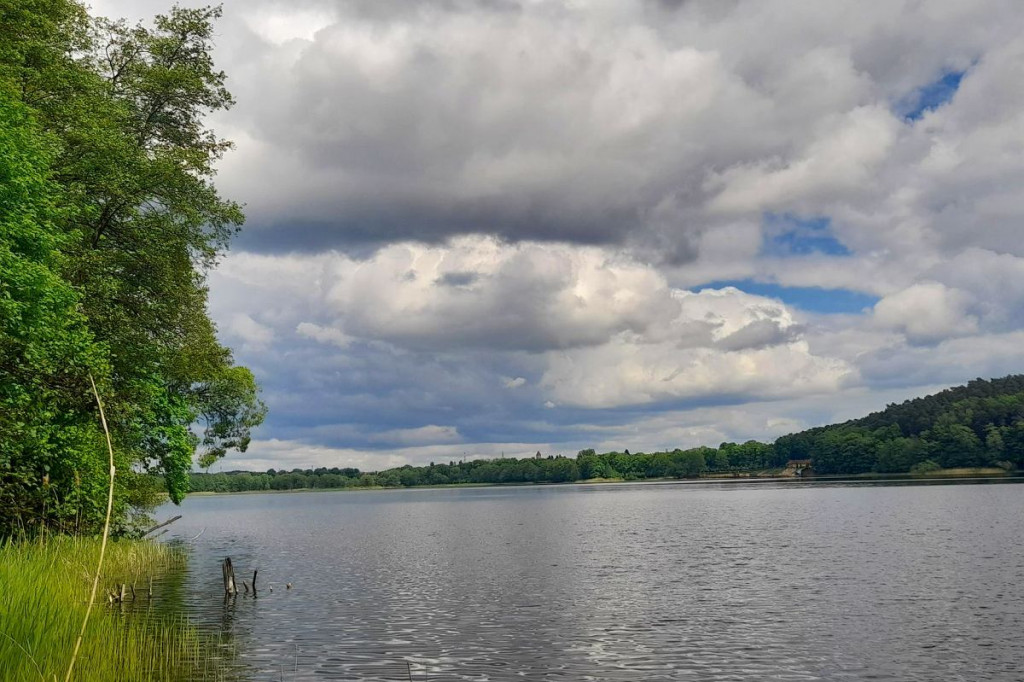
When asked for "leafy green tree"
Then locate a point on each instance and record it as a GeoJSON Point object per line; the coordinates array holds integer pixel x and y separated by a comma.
{"type": "Point", "coordinates": [719, 460]}
{"type": "Point", "coordinates": [956, 445]}
{"type": "Point", "coordinates": [845, 450]}
{"type": "Point", "coordinates": [49, 438]}
{"type": "Point", "coordinates": [900, 454]}
{"type": "Point", "coordinates": [687, 464]}
{"type": "Point", "coordinates": [1013, 443]}
{"type": "Point", "coordinates": [109, 173]}
{"type": "Point", "coordinates": [563, 470]}
{"type": "Point", "coordinates": [995, 447]}
{"type": "Point", "coordinates": [925, 467]}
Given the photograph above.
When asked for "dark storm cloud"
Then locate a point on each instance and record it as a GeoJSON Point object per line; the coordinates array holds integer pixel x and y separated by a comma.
{"type": "Point", "coordinates": [362, 226]}
{"type": "Point", "coordinates": [642, 124]}
{"type": "Point", "coordinates": [467, 118]}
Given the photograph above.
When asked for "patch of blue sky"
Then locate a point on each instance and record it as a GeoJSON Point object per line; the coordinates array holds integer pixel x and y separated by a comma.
{"type": "Point", "coordinates": [789, 235]}
{"type": "Point", "coordinates": [931, 96]}
{"type": "Point", "coordinates": [811, 299]}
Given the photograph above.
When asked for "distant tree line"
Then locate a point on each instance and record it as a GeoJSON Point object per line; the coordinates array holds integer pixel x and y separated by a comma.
{"type": "Point", "coordinates": [587, 464]}
{"type": "Point", "coordinates": [980, 424]}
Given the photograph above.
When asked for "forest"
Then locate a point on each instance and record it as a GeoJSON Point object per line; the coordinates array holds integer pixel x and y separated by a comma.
{"type": "Point", "coordinates": [977, 425]}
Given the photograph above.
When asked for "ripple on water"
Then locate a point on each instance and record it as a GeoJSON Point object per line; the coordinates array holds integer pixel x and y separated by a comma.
{"type": "Point", "coordinates": [618, 583]}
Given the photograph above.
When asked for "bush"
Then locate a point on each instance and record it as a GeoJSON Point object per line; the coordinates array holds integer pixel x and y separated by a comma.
{"type": "Point", "coordinates": [926, 467]}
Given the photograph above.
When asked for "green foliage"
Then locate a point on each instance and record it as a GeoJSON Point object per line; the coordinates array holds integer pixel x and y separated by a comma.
{"type": "Point", "coordinates": [688, 463]}
{"type": "Point", "coordinates": [925, 467]}
{"type": "Point", "coordinates": [109, 222]}
{"type": "Point", "coordinates": [505, 471]}
{"type": "Point", "coordinates": [900, 454]}
{"type": "Point", "coordinates": [49, 438]}
{"type": "Point", "coordinates": [980, 424]}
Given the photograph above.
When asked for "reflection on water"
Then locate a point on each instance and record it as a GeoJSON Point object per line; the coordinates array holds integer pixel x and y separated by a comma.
{"type": "Point", "coordinates": [627, 582]}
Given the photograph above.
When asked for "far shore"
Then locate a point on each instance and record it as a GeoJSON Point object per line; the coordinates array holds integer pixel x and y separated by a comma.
{"type": "Point", "coordinates": [962, 474]}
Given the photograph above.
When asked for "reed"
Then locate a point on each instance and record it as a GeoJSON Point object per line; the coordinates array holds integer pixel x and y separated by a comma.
{"type": "Point", "coordinates": [44, 595]}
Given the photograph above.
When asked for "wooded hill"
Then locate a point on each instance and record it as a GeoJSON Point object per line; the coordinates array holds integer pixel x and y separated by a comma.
{"type": "Point", "coordinates": [980, 424]}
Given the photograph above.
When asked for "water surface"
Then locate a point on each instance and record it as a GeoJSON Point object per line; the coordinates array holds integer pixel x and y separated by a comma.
{"type": "Point", "coordinates": [716, 581]}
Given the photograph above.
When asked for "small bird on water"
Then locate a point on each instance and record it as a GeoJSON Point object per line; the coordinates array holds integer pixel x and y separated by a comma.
{"type": "Point", "coordinates": [288, 586]}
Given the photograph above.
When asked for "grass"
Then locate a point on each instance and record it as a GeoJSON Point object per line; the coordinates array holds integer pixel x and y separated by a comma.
{"type": "Point", "coordinates": [966, 471]}
{"type": "Point", "coordinates": [44, 593]}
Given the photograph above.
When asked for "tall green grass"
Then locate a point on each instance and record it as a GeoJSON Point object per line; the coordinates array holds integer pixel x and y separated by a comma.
{"type": "Point", "coordinates": [44, 591]}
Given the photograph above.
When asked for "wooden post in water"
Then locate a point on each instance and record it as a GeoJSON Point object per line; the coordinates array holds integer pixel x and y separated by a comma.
{"type": "Point", "coordinates": [254, 572]}
{"type": "Point", "coordinates": [229, 577]}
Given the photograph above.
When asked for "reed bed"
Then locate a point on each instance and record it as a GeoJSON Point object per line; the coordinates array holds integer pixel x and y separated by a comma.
{"type": "Point", "coordinates": [44, 593]}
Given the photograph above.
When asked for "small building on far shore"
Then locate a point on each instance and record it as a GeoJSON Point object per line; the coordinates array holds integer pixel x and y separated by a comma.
{"type": "Point", "coordinates": [800, 467]}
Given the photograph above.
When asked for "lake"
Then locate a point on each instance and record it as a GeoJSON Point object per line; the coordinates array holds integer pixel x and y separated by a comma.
{"type": "Point", "coordinates": [708, 581]}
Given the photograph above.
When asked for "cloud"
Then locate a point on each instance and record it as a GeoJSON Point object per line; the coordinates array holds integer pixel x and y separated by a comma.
{"type": "Point", "coordinates": [423, 435]}
{"type": "Point", "coordinates": [616, 374]}
{"type": "Point", "coordinates": [975, 291]}
{"type": "Point", "coordinates": [323, 334]}
{"type": "Point", "coordinates": [252, 334]}
{"type": "Point", "coordinates": [655, 127]}
{"type": "Point", "coordinates": [758, 334]}
{"type": "Point", "coordinates": [836, 163]}
{"type": "Point", "coordinates": [927, 312]}
{"type": "Point", "coordinates": [480, 293]}
{"type": "Point", "coordinates": [631, 123]}
{"type": "Point", "coordinates": [604, 331]}
{"type": "Point", "coordinates": [524, 297]}
{"type": "Point", "coordinates": [451, 199]}
{"type": "Point", "coordinates": [952, 361]}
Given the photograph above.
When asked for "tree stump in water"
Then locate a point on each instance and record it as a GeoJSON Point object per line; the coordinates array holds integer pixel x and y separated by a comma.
{"type": "Point", "coordinates": [229, 577]}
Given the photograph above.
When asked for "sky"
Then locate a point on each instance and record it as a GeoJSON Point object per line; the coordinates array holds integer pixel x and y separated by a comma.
{"type": "Point", "coordinates": [491, 227]}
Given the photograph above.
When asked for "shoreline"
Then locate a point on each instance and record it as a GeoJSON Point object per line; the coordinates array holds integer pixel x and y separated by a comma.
{"type": "Point", "coordinates": [959, 474]}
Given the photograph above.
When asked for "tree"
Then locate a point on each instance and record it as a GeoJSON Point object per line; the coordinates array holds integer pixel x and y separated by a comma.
{"type": "Point", "coordinates": [899, 455]}
{"type": "Point", "coordinates": [562, 470]}
{"type": "Point", "coordinates": [131, 224]}
{"type": "Point", "coordinates": [687, 464]}
{"type": "Point", "coordinates": [845, 450]}
{"type": "Point", "coordinates": [49, 456]}
{"type": "Point", "coordinates": [956, 445]}
{"type": "Point", "coordinates": [995, 447]}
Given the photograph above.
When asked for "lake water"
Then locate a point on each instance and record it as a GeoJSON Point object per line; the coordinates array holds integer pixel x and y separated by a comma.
{"type": "Point", "coordinates": [711, 581]}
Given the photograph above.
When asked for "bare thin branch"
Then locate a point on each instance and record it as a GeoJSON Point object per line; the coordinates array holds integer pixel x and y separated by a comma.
{"type": "Point", "coordinates": [106, 531]}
